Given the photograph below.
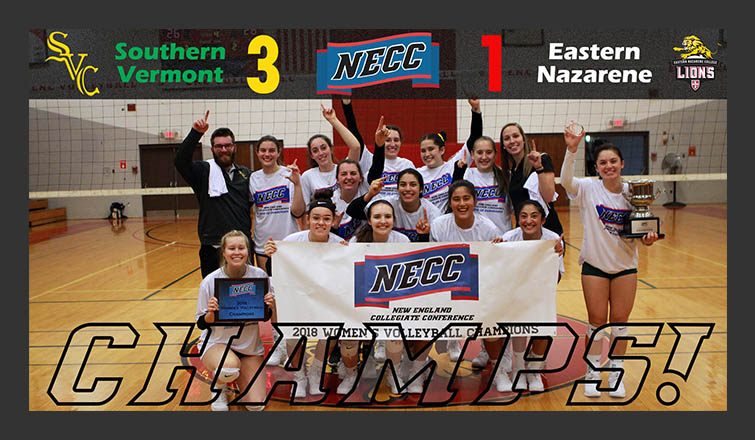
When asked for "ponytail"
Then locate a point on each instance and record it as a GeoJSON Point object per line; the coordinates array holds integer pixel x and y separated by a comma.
{"type": "Point", "coordinates": [500, 175]}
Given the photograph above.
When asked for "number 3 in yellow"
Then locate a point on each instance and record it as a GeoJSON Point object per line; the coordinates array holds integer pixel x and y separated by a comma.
{"type": "Point", "coordinates": [265, 64]}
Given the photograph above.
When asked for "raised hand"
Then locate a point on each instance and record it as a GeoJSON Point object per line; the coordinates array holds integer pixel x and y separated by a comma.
{"type": "Point", "coordinates": [572, 140]}
{"type": "Point", "coordinates": [376, 186]}
{"type": "Point", "coordinates": [329, 114]}
{"type": "Point", "coordinates": [475, 104]}
{"type": "Point", "coordinates": [295, 175]}
{"type": "Point", "coordinates": [381, 134]}
{"type": "Point", "coordinates": [201, 125]}
{"type": "Point", "coordinates": [534, 156]}
{"type": "Point", "coordinates": [423, 225]}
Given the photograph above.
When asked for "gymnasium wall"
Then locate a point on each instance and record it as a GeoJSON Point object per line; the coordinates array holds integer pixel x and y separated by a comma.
{"type": "Point", "coordinates": [77, 145]}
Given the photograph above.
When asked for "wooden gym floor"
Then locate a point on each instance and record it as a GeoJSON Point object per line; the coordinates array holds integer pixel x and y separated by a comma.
{"type": "Point", "coordinates": [147, 271]}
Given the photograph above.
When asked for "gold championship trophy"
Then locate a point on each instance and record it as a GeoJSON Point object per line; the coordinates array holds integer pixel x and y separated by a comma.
{"type": "Point", "coordinates": [641, 221]}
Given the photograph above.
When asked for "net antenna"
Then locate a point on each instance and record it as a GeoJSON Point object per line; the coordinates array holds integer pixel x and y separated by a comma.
{"type": "Point", "coordinates": [672, 164]}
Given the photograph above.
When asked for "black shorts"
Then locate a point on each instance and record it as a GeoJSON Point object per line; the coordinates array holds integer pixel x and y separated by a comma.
{"type": "Point", "coordinates": [589, 269]}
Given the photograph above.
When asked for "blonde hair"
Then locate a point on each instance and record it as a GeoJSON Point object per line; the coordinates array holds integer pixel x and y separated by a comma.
{"type": "Point", "coordinates": [224, 242]}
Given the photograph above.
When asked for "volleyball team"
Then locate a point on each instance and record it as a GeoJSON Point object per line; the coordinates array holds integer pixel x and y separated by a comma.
{"type": "Point", "coordinates": [378, 196]}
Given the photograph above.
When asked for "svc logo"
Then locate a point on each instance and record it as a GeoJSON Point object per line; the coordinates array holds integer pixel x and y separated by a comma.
{"type": "Point", "coordinates": [76, 72]}
{"type": "Point", "coordinates": [696, 63]}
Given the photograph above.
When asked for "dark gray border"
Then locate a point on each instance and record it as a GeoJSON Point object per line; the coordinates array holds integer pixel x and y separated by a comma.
{"type": "Point", "coordinates": [356, 424]}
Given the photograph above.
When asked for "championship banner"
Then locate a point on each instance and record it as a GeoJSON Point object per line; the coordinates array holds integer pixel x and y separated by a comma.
{"type": "Point", "coordinates": [424, 287]}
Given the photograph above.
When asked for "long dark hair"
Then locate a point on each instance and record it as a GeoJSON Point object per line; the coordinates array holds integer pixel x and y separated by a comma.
{"type": "Point", "coordinates": [507, 160]}
{"type": "Point", "coordinates": [414, 173]}
{"type": "Point", "coordinates": [273, 139]}
{"type": "Point", "coordinates": [312, 161]}
{"type": "Point", "coordinates": [365, 233]}
{"type": "Point", "coordinates": [460, 184]}
{"type": "Point", "coordinates": [500, 175]}
{"type": "Point", "coordinates": [526, 202]}
{"type": "Point", "coordinates": [438, 138]}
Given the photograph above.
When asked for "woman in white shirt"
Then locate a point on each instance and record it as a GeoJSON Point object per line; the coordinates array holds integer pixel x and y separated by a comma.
{"type": "Point", "coordinates": [464, 225]}
{"type": "Point", "coordinates": [437, 173]}
{"type": "Point", "coordinates": [322, 162]}
{"type": "Point", "coordinates": [246, 353]}
{"type": "Point", "coordinates": [609, 261]}
{"type": "Point", "coordinates": [378, 229]}
{"type": "Point", "coordinates": [393, 163]}
{"type": "Point", "coordinates": [321, 217]}
{"type": "Point", "coordinates": [531, 218]}
{"type": "Point", "coordinates": [491, 184]}
{"type": "Point", "coordinates": [277, 197]}
{"type": "Point", "coordinates": [413, 213]}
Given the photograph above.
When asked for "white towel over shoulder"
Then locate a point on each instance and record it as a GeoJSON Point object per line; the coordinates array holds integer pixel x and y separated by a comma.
{"type": "Point", "coordinates": [532, 186]}
{"type": "Point", "coordinates": [216, 185]}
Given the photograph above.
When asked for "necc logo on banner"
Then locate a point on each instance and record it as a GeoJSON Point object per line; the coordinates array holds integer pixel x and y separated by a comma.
{"type": "Point", "coordinates": [343, 66]}
{"type": "Point", "coordinates": [384, 278]}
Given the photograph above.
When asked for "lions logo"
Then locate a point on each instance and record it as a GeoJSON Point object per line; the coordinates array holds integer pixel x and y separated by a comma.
{"type": "Point", "coordinates": [696, 64]}
{"type": "Point", "coordinates": [694, 47]}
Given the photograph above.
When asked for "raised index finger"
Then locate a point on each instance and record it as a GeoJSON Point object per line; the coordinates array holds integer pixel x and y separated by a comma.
{"type": "Point", "coordinates": [207, 115]}
{"type": "Point", "coordinates": [534, 147]}
{"type": "Point", "coordinates": [424, 210]}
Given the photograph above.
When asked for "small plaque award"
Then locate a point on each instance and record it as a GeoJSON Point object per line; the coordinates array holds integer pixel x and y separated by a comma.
{"type": "Point", "coordinates": [241, 299]}
{"type": "Point", "coordinates": [641, 221]}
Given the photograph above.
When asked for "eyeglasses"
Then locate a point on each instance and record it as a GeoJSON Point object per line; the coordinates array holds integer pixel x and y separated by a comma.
{"type": "Point", "coordinates": [224, 146]}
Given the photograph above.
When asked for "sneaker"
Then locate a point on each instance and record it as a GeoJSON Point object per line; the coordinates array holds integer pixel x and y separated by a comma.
{"type": "Point", "coordinates": [392, 384]}
{"type": "Point", "coordinates": [403, 369]}
{"type": "Point", "coordinates": [279, 355]}
{"type": "Point", "coordinates": [313, 377]}
{"type": "Point", "coordinates": [454, 351]}
{"type": "Point", "coordinates": [221, 403]}
{"type": "Point", "coordinates": [507, 361]}
{"type": "Point", "coordinates": [535, 382]}
{"type": "Point", "coordinates": [301, 384]}
{"type": "Point", "coordinates": [255, 407]}
{"type": "Point", "coordinates": [502, 381]}
{"type": "Point", "coordinates": [591, 389]}
{"type": "Point", "coordinates": [350, 378]}
{"type": "Point", "coordinates": [521, 383]}
{"type": "Point", "coordinates": [481, 360]}
{"type": "Point", "coordinates": [620, 392]}
{"type": "Point", "coordinates": [370, 368]}
{"type": "Point", "coordinates": [418, 385]}
{"type": "Point", "coordinates": [380, 351]}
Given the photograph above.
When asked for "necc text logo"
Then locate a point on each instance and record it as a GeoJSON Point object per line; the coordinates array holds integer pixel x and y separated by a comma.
{"type": "Point", "coordinates": [384, 278]}
{"type": "Point", "coordinates": [343, 66]}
